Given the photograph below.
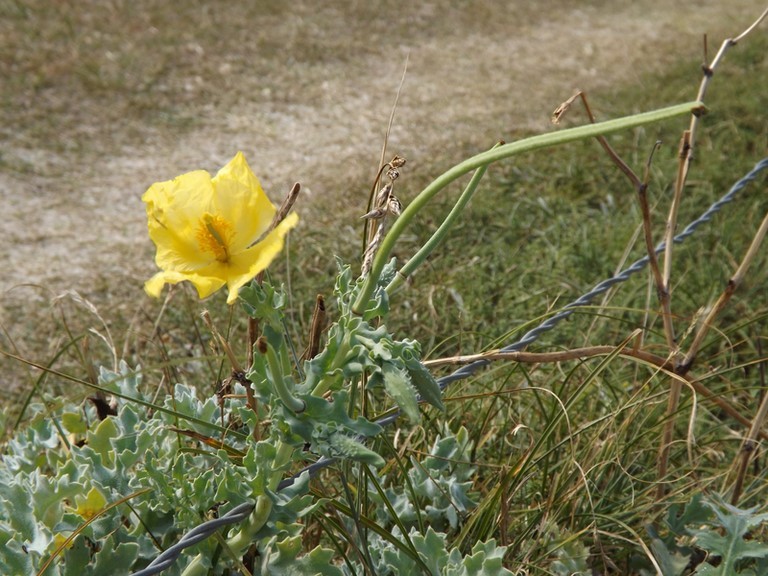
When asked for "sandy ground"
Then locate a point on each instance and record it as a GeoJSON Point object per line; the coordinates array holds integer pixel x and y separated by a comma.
{"type": "Point", "coordinates": [101, 102]}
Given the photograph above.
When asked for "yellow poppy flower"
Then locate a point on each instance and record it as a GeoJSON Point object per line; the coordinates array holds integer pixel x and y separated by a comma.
{"type": "Point", "coordinates": [208, 230]}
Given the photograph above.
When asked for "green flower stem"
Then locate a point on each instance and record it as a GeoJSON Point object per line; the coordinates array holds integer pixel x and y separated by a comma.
{"type": "Point", "coordinates": [332, 374]}
{"type": "Point", "coordinates": [240, 542]}
{"type": "Point", "coordinates": [505, 151]}
{"type": "Point", "coordinates": [283, 455]}
{"type": "Point", "coordinates": [418, 258]}
{"type": "Point", "coordinates": [280, 382]}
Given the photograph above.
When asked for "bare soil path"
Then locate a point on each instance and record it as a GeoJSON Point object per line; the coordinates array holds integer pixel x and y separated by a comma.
{"type": "Point", "coordinates": [102, 98]}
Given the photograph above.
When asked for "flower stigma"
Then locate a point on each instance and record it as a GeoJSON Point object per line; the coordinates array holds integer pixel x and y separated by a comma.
{"type": "Point", "coordinates": [214, 234]}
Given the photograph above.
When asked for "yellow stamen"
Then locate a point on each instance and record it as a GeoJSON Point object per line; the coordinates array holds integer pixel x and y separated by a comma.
{"type": "Point", "coordinates": [214, 234]}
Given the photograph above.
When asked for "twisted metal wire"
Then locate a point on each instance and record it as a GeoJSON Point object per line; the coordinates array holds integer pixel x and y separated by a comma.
{"type": "Point", "coordinates": [585, 299]}
{"type": "Point", "coordinates": [197, 534]}
{"type": "Point", "coordinates": [241, 512]}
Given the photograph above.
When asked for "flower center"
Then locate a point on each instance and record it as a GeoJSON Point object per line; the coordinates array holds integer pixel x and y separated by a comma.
{"type": "Point", "coordinates": [214, 235]}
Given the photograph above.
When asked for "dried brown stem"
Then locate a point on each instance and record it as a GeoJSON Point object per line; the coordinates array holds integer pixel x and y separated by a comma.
{"type": "Point", "coordinates": [623, 166]}
{"type": "Point", "coordinates": [316, 328]}
{"type": "Point", "coordinates": [640, 186]}
{"type": "Point", "coordinates": [687, 150]}
{"type": "Point", "coordinates": [750, 445]}
{"type": "Point", "coordinates": [642, 194]}
{"type": "Point", "coordinates": [665, 296]}
{"type": "Point", "coordinates": [282, 212]}
{"type": "Point", "coordinates": [733, 284]}
{"type": "Point", "coordinates": [665, 301]}
{"type": "Point", "coordinates": [642, 190]}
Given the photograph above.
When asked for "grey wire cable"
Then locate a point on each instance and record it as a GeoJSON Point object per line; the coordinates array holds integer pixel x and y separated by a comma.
{"type": "Point", "coordinates": [241, 512]}
{"type": "Point", "coordinates": [197, 534]}
{"type": "Point", "coordinates": [585, 299]}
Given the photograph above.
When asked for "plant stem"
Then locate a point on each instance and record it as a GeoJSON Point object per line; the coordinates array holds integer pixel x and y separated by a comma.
{"type": "Point", "coordinates": [418, 258]}
{"type": "Point", "coordinates": [283, 454]}
{"type": "Point", "coordinates": [279, 381]}
{"type": "Point", "coordinates": [332, 374]}
{"type": "Point", "coordinates": [505, 151]}
{"type": "Point", "coordinates": [240, 542]}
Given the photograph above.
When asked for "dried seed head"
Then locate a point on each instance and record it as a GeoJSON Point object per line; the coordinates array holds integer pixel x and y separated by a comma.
{"type": "Point", "coordinates": [397, 162]}
{"type": "Point", "coordinates": [393, 174]}
{"type": "Point", "coordinates": [561, 110]}
{"type": "Point", "coordinates": [394, 206]}
{"type": "Point", "coordinates": [384, 193]}
{"type": "Point", "coordinates": [374, 214]}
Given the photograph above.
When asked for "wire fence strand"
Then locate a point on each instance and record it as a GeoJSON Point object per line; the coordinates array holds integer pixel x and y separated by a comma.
{"type": "Point", "coordinates": [206, 529]}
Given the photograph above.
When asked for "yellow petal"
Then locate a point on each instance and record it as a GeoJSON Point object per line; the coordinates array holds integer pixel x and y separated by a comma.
{"type": "Point", "coordinates": [257, 258]}
{"type": "Point", "coordinates": [205, 285]}
{"type": "Point", "coordinates": [241, 200]}
{"type": "Point", "coordinates": [174, 212]}
{"type": "Point", "coordinates": [203, 228]}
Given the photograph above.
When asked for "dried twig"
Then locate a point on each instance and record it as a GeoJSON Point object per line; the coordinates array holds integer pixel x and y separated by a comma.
{"type": "Point", "coordinates": [750, 445]}
{"type": "Point", "coordinates": [641, 186]}
{"type": "Point", "coordinates": [282, 212]}
{"type": "Point", "coordinates": [687, 149]}
{"type": "Point", "coordinates": [316, 328]}
{"type": "Point", "coordinates": [665, 300]}
{"type": "Point", "coordinates": [623, 166]}
{"type": "Point", "coordinates": [733, 284]}
{"type": "Point", "coordinates": [642, 195]}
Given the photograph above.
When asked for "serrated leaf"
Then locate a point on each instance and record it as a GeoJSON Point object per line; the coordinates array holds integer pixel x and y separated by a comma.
{"type": "Point", "coordinates": [694, 513]}
{"type": "Point", "coordinates": [731, 546]}
{"type": "Point", "coordinates": [322, 418]}
{"type": "Point", "coordinates": [14, 559]}
{"type": "Point", "coordinates": [115, 560]}
{"type": "Point", "coordinates": [100, 439]}
{"type": "Point", "coordinates": [485, 560]}
{"type": "Point", "coordinates": [263, 301]}
{"type": "Point", "coordinates": [126, 380]}
{"type": "Point", "coordinates": [287, 562]}
{"type": "Point", "coordinates": [424, 382]}
{"type": "Point", "coordinates": [432, 549]}
{"type": "Point", "coordinates": [342, 445]}
{"type": "Point", "coordinates": [672, 562]}
{"type": "Point", "coordinates": [76, 558]}
{"type": "Point", "coordinates": [398, 385]}
{"type": "Point", "coordinates": [74, 423]}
